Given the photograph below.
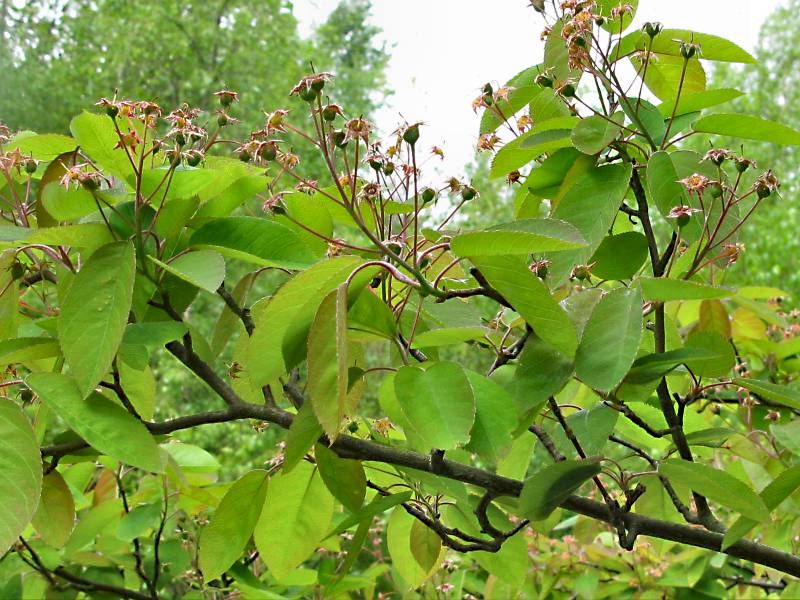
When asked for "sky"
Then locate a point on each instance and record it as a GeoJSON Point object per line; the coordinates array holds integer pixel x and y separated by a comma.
{"type": "Point", "coordinates": [443, 51]}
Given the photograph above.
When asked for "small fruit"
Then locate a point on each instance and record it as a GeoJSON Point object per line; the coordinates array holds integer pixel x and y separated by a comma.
{"type": "Point", "coordinates": [652, 29]}
{"type": "Point", "coordinates": [30, 166]}
{"type": "Point", "coordinates": [468, 192]}
{"type": "Point", "coordinates": [411, 134]}
{"type": "Point", "coordinates": [329, 113]}
{"type": "Point", "coordinates": [715, 189]}
{"type": "Point", "coordinates": [683, 220]}
{"type": "Point", "coordinates": [112, 111]}
{"type": "Point", "coordinates": [180, 139]}
{"type": "Point", "coordinates": [317, 84]}
{"type": "Point", "coordinates": [375, 164]}
{"type": "Point", "coordinates": [268, 152]}
{"type": "Point", "coordinates": [244, 156]}
{"type": "Point", "coordinates": [90, 183]}
{"type": "Point", "coordinates": [543, 80]}
{"type": "Point", "coordinates": [688, 50]}
{"type": "Point", "coordinates": [763, 191]}
{"type": "Point", "coordinates": [339, 138]}
{"type": "Point", "coordinates": [393, 247]}
{"type": "Point", "coordinates": [567, 90]}
{"type": "Point", "coordinates": [26, 396]}
{"type": "Point", "coordinates": [222, 119]}
{"type": "Point", "coordinates": [388, 168]}
{"type": "Point", "coordinates": [194, 159]}
{"type": "Point", "coordinates": [308, 93]}
{"type": "Point", "coordinates": [428, 194]}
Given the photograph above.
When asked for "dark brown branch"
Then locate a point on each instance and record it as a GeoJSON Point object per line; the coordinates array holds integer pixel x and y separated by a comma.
{"type": "Point", "coordinates": [241, 312]}
{"type": "Point", "coordinates": [356, 448]}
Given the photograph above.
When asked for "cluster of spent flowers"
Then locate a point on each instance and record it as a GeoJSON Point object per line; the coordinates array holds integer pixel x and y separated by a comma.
{"type": "Point", "coordinates": [142, 110]}
{"type": "Point", "coordinates": [84, 175]}
{"type": "Point", "coordinates": [14, 160]}
{"type": "Point", "coordinates": [310, 86]}
{"type": "Point", "coordinates": [5, 134]}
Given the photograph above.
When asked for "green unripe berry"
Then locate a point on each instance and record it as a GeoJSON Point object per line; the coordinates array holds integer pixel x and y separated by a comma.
{"type": "Point", "coordinates": [428, 195]}
{"type": "Point", "coordinates": [375, 164]}
{"type": "Point", "coordinates": [318, 84]}
{"type": "Point", "coordinates": [544, 81]}
{"type": "Point", "coordinates": [180, 139]}
{"type": "Point", "coordinates": [411, 134]}
{"type": "Point", "coordinates": [488, 99]}
{"type": "Point", "coordinates": [567, 90]}
{"type": "Point", "coordinates": [393, 247]}
{"type": "Point", "coordinates": [308, 93]}
{"type": "Point", "coordinates": [268, 152]}
{"type": "Point", "coordinates": [683, 220]}
{"type": "Point", "coordinates": [244, 156]}
{"type": "Point", "coordinates": [194, 159]}
{"type": "Point", "coordinates": [375, 283]}
{"type": "Point", "coordinates": [329, 113]}
{"type": "Point", "coordinates": [222, 119]}
{"type": "Point", "coordinates": [763, 191]}
{"type": "Point", "coordinates": [652, 29]}
{"type": "Point", "coordinates": [112, 111]}
{"type": "Point", "coordinates": [388, 168]}
{"type": "Point", "coordinates": [339, 138]}
{"type": "Point", "coordinates": [26, 396]}
{"type": "Point", "coordinates": [715, 189]}
{"type": "Point", "coordinates": [468, 192]}
{"type": "Point", "coordinates": [30, 166]}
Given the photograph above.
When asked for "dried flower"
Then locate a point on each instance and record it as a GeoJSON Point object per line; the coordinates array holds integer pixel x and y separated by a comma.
{"type": "Point", "coordinates": [357, 129]}
{"type": "Point", "coordinates": [435, 150]}
{"type": "Point", "coordinates": [718, 155]}
{"type": "Point", "coordinates": [766, 184]}
{"type": "Point", "coordinates": [695, 183]}
{"type": "Point", "coordinates": [676, 212]}
{"type": "Point", "coordinates": [227, 97]}
{"type": "Point", "coordinates": [488, 141]}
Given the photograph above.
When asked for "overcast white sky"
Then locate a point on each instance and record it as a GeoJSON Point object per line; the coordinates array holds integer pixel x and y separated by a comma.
{"type": "Point", "coordinates": [444, 50]}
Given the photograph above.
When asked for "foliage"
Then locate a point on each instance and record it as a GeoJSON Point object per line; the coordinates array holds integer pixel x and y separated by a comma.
{"type": "Point", "coordinates": [613, 389]}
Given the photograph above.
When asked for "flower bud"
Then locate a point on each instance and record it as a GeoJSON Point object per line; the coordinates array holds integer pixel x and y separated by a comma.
{"type": "Point", "coordinates": [329, 113]}
{"type": "Point", "coordinates": [689, 50]}
{"type": "Point", "coordinates": [222, 119]}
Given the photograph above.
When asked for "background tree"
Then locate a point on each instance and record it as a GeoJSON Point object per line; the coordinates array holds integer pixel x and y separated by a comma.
{"type": "Point", "coordinates": [59, 57]}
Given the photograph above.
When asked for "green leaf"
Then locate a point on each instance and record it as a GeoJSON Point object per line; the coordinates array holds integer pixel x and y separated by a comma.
{"type": "Point", "coordinates": [544, 491]}
{"type": "Point", "coordinates": [95, 311]}
{"type": "Point", "coordinates": [542, 371]}
{"type": "Point", "coordinates": [591, 427]}
{"type": "Point", "coordinates": [748, 127]}
{"type": "Point", "coordinates": [689, 103]}
{"type": "Point", "coordinates": [518, 237]}
{"type": "Point", "coordinates": [530, 297]}
{"type": "Point", "coordinates": [654, 366]}
{"type": "Point", "coordinates": [662, 180]}
{"type": "Point", "coordinates": [544, 137]}
{"type": "Point", "coordinates": [781, 394]}
{"type": "Point", "coordinates": [55, 516]}
{"type": "Point", "coordinates": [712, 342]}
{"type": "Point", "coordinates": [23, 349]}
{"type": "Point", "coordinates": [379, 505]}
{"type": "Point", "coordinates": [303, 433]}
{"type": "Point", "coordinates": [153, 334]}
{"type": "Point", "coordinates": [610, 340]}
{"type": "Point", "coordinates": [398, 541]}
{"type": "Point", "coordinates": [665, 72]}
{"type": "Point", "coordinates": [665, 290]}
{"type": "Point", "coordinates": [328, 362]}
{"type": "Point", "coordinates": [591, 205]}
{"type": "Point", "coordinates": [344, 478]}
{"type": "Point", "coordinates": [448, 336]}
{"type": "Point", "coordinates": [203, 268]}
{"type": "Point", "coordinates": [426, 545]}
{"type": "Point", "coordinates": [97, 138]}
{"type": "Point", "coordinates": [82, 235]}
{"type": "Point", "coordinates": [139, 520]}
{"type": "Point", "coordinates": [21, 466]}
{"type": "Point", "coordinates": [43, 147]}
{"type": "Point", "coordinates": [620, 256]}
{"type": "Point", "coordinates": [495, 418]}
{"type": "Point", "coordinates": [523, 91]}
{"type": "Point", "coordinates": [259, 241]}
{"type": "Point", "coordinates": [642, 111]}
{"type": "Point", "coordinates": [98, 420]}
{"type": "Point", "coordinates": [438, 403]}
{"type": "Point", "coordinates": [372, 315]}
{"type": "Point", "coordinates": [282, 327]}
{"type": "Point", "coordinates": [773, 495]}
{"type": "Point", "coordinates": [715, 485]}
{"type": "Point", "coordinates": [225, 537]}
{"type": "Point", "coordinates": [592, 134]}
{"type": "Point", "coordinates": [712, 47]}
{"type": "Point", "coordinates": [296, 515]}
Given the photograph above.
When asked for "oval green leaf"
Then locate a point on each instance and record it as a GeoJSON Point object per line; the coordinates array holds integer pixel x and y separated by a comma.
{"type": "Point", "coordinates": [544, 491]}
